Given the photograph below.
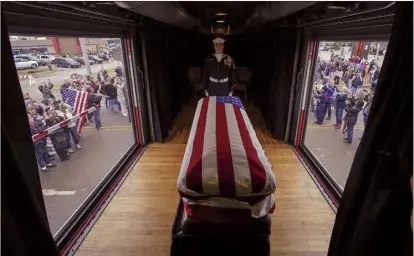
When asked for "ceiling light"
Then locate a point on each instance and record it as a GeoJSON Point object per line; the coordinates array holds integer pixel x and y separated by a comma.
{"type": "Point", "coordinates": [220, 21]}
{"type": "Point", "coordinates": [336, 7]}
{"type": "Point", "coordinates": [221, 14]}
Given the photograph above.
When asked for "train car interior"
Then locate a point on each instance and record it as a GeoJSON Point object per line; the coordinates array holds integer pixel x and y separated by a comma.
{"type": "Point", "coordinates": [327, 186]}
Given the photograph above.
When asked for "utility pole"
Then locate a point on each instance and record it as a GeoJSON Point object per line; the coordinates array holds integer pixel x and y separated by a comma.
{"type": "Point", "coordinates": [85, 56]}
{"type": "Point", "coordinates": [376, 54]}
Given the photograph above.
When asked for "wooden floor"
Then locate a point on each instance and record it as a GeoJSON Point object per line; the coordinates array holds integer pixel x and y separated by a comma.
{"type": "Point", "coordinates": [139, 219]}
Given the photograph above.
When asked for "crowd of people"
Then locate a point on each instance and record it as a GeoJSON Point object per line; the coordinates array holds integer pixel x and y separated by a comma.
{"type": "Point", "coordinates": [53, 110]}
{"type": "Point", "coordinates": [351, 71]}
{"type": "Point", "coordinates": [347, 98]}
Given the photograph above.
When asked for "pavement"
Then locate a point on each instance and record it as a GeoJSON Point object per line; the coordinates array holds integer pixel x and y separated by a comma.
{"type": "Point", "coordinates": [67, 186]}
{"type": "Point", "coordinates": [325, 143]}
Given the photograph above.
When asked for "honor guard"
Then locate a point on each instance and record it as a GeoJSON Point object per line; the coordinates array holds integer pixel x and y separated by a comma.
{"type": "Point", "coordinates": [219, 74]}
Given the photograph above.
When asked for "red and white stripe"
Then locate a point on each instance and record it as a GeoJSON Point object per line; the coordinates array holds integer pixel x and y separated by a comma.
{"type": "Point", "coordinates": [62, 124]}
{"type": "Point", "coordinates": [224, 159]}
{"type": "Point", "coordinates": [81, 103]}
{"type": "Point", "coordinates": [299, 131]}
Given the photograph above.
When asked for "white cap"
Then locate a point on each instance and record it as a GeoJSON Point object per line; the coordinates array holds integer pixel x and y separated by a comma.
{"type": "Point", "coordinates": [219, 40]}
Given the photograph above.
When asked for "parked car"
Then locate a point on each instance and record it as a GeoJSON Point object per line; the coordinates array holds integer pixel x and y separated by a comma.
{"type": "Point", "coordinates": [103, 56]}
{"type": "Point", "coordinates": [32, 58]}
{"type": "Point", "coordinates": [46, 58]}
{"type": "Point", "coordinates": [66, 63]}
{"type": "Point", "coordinates": [81, 60]}
{"type": "Point", "coordinates": [95, 58]}
{"type": "Point", "coordinates": [56, 57]}
{"type": "Point", "coordinates": [24, 63]}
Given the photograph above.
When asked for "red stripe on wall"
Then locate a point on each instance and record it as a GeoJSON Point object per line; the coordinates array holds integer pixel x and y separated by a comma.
{"type": "Point", "coordinates": [138, 123]}
{"type": "Point", "coordinates": [128, 46]}
{"type": "Point", "coordinates": [311, 50]}
{"type": "Point", "coordinates": [300, 130]}
{"type": "Point", "coordinates": [194, 179]}
{"type": "Point", "coordinates": [78, 47]}
{"type": "Point", "coordinates": [56, 45]}
{"type": "Point", "coordinates": [225, 169]}
{"type": "Point", "coordinates": [257, 171]}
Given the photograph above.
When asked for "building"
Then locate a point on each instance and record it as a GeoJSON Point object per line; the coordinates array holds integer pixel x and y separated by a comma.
{"type": "Point", "coordinates": [56, 45]}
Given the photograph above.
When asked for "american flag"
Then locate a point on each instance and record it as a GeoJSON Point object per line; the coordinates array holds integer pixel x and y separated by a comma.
{"type": "Point", "coordinates": [78, 100]}
{"type": "Point", "coordinates": [224, 158]}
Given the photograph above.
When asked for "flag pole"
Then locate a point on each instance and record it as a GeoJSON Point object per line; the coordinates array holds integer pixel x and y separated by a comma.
{"type": "Point", "coordinates": [85, 56]}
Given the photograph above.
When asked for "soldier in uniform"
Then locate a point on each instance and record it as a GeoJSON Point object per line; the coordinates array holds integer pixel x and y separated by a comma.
{"type": "Point", "coordinates": [219, 74]}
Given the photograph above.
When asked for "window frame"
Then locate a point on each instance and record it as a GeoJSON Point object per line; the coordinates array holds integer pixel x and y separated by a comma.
{"type": "Point", "coordinates": [37, 20]}
{"type": "Point", "coordinates": [375, 25]}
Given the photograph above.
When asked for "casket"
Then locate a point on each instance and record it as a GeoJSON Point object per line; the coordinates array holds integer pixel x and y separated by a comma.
{"type": "Point", "coordinates": [225, 172]}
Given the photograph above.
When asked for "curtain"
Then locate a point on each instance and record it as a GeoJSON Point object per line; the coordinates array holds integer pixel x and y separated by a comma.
{"type": "Point", "coordinates": [157, 65]}
{"type": "Point", "coordinates": [262, 47]}
{"type": "Point", "coordinates": [180, 51]}
{"type": "Point", "coordinates": [170, 52]}
{"type": "Point", "coordinates": [374, 212]}
{"type": "Point", "coordinates": [273, 61]}
{"type": "Point", "coordinates": [25, 229]}
{"type": "Point", "coordinates": [278, 100]}
{"type": "Point", "coordinates": [268, 52]}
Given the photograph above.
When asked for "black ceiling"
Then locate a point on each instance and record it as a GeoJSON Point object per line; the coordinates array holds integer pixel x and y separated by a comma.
{"type": "Point", "coordinates": [237, 12]}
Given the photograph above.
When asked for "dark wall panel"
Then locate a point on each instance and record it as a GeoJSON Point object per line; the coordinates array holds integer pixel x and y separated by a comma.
{"type": "Point", "coordinates": [268, 52]}
{"type": "Point", "coordinates": [273, 52]}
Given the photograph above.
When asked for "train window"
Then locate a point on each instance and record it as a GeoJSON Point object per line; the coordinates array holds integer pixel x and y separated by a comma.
{"type": "Point", "coordinates": [77, 100]}
{"type": "Point", "coordinates": [344, 81]}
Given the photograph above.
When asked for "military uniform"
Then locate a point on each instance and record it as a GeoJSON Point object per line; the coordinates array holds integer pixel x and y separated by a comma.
{"type": "Point", "coordinates": [219, 74]}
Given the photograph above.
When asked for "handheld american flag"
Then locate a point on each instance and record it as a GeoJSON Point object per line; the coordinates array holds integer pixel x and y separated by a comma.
{"type": "Point", "coordinates": [78, 100]}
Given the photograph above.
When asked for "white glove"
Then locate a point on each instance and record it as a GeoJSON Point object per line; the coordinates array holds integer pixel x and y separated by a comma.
{"type": "Point", "coordinates": [206, 92]}
{"type": "Point", "coordinates": [231, 93]}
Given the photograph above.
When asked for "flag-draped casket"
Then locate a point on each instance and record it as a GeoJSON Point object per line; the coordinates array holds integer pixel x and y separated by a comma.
{"type": "Point", "coordinates": [225, 173]}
